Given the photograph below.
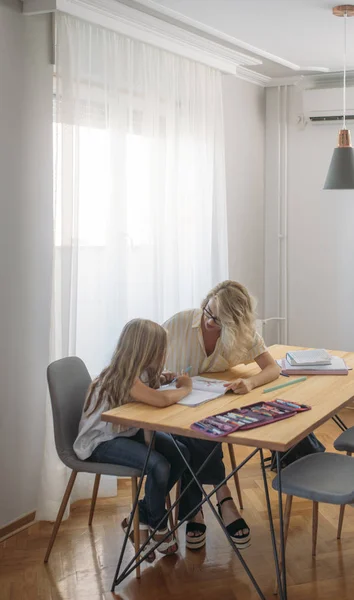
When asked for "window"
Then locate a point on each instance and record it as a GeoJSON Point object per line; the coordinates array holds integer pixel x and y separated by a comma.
{"type": "Point", "coordinates": [92, 153]}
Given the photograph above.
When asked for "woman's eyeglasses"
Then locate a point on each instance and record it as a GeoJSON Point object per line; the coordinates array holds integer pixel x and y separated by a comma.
{"type": "Point", "coordinates": [211, 316]}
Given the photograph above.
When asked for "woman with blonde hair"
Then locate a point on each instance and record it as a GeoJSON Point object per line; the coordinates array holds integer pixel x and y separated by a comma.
{"type": "Point", "coordinates": [216, 337]}
{"type": "Point", "coordinates": [134, 374]}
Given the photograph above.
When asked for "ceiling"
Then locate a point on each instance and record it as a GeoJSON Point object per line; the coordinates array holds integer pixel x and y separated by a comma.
{"type": "Point", "coordinates": [290, 36]}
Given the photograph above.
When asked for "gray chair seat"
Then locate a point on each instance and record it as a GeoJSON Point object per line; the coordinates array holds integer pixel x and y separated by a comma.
{"type": "Point", "coordinates": [345, 442]}
{"type": "Point", "coordinates": [324, 477]}
{"type": "Point", "coordinates": [83, 466]}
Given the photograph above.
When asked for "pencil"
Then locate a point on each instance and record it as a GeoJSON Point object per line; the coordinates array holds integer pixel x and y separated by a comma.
{"type": "Point", "coordinates": [281, 385]}
{"type": "Point", "coordinates": [184, 371]}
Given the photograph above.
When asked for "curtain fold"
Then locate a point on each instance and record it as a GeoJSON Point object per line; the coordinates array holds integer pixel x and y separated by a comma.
{"type": "Point", "coordinates": [139, 199]}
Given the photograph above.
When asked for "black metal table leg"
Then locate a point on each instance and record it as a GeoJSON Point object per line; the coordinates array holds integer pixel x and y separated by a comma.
{"type": "Point", "coordinates": [134, 508]}
{"type": "Point", "coordinates": [271, 525]}
{"type": "Point", "coordinates": [134, 562]}
{"type": "Point", "coordinates": [129, 568]}
{"type": "Point", "coordinates": [281, 529]}
{"type": "Point", "coordinates": [338, 421]}
{"type": "Point", "coordinates": [219, 519]}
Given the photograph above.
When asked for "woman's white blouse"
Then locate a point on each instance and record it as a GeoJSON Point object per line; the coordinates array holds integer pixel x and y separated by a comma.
{"type": "Point", "coordinates": [186, 347]}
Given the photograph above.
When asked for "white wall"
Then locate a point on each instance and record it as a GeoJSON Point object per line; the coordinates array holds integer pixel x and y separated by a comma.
{"type": "Point", "coordinates": [25, 257]}
{"type": "Point", "coordinates": [320, 231]}
{"type": "Point", "coordinates": [244, 121]}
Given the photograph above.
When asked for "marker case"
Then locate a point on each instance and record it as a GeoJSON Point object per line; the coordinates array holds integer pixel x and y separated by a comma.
{"type": "Point", "coordinates": [248, 417]}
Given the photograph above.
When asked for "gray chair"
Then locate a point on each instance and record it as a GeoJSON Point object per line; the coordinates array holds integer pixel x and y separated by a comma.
{"type": "Point", "coordinates": [344, 443]}
{"type": "Point", "coordinates": [68, 381]}
{"type": "Point", "coordinates": [324, 477]}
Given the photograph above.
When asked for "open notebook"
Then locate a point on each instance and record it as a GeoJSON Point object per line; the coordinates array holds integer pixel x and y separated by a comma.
{"type": "Point", "coordinates": [204, 389]}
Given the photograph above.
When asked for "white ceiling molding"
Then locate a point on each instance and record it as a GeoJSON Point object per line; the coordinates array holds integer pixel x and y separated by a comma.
{"type": "Point", "coordinates": [152, 30]}
{"type": "Point", "coordinates": [168, 12]}
{"type": "Point", "coordinates": [312, 82]}
{"type": "Point", "coordinates": [253, 76]}
{"type": "Point", "coordinates": [327, 80]}
{"type": "Point", "coordinates": [291, 80]}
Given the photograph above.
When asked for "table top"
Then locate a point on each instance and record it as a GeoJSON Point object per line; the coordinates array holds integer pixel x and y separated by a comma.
{"type": "Point", "coordinates": [326, 394]}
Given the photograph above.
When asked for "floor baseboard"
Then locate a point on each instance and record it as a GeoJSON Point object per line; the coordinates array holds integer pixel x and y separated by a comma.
{"type": "Point", "coordinates": [17, 525]}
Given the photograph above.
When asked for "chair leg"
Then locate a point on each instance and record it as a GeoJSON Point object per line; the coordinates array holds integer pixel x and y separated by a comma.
{"type": "Point", "coordinates": [341, 515]}
{"type": "Point", "coordinates": [178, 493]}
{"type": "Point", "coordinates": [287, 513]}
{"type": "Point", "coordinates": [96, 485]}
{"type": "Point", "coordinates": [314, 527]}
{"type": "Point", "coordinates": [236, 478]}
{"type": "Point", "coordinates": [61, 511]}
{"type": "Point", "coordinates": [288, 505]}
{"type": "Point", "coordinates": [136, 523]}
{"type": "Point", "coordinates": [168, 506]}
{"type": "Point", "coordinates": [340, 521]}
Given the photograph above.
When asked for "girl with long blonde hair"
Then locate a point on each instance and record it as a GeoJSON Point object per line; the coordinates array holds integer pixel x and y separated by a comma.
{"type": "Point", "coordinates": [216, 337]}
{"type": "Point", "coordinates": [135, 374]}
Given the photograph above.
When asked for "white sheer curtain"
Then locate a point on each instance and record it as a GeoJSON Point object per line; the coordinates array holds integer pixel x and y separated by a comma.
{"type": "Point", "coordinates": [140, 208]}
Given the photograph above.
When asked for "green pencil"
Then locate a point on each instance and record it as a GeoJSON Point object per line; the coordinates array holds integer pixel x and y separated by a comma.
{"type": "Point", "coordinates": [281, 385]}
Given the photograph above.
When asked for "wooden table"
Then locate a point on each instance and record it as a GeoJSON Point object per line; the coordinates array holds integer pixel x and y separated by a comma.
{"type": "Point", "coordinates": [326, 394]}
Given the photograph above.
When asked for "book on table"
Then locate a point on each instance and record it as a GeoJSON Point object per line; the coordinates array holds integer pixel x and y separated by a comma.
{"type": "Point", "coordinates": [303, 358]}
{"type": "Point", "coordinates": [204, 389]}
{"type": "Point", "coordinates": [336, 367]}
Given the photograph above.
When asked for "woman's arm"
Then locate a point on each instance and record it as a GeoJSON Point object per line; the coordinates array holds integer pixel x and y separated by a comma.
{"type": "Point", "coordinates": [142, 393]}
{"type": "Point", "coordinates": [270, 371]}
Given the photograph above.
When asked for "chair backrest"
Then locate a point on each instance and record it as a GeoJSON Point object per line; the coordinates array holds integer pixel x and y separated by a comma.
{"type": "Point", "coordinates": [68, 381]}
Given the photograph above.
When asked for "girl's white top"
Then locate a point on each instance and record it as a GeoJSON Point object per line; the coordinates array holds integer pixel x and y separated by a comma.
{"type": "Point", "coordinates": [93, 431]}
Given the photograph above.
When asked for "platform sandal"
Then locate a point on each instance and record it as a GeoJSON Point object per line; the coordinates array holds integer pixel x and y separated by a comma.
{"type": "Point", "coordinates": [243, 540]}
{"type": "Point", "coordinates": [166, 546]}
{"type": "Point", "coordinates": [148, 552]}
{"type": "Point", "coordinates": [195, 542]}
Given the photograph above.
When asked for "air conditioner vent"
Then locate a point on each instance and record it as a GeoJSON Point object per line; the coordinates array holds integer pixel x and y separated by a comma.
{"type": "Point", "coordinates": [324, 118]}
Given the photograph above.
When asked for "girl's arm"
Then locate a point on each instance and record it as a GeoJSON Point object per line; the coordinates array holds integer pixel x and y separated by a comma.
{"type": "Point", "coordinates": [142, 393]}
{"type": "Point", "coordinates": [167, 377]}
{"type": "Point", "coordinates": [270, 371]}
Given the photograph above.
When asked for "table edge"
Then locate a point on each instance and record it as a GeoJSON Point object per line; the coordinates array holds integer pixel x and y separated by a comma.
{"type": "Point", "coordinates": [266, 445]}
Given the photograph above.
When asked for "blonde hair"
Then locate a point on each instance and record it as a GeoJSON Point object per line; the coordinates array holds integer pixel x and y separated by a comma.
{"type": "Point", "coordinates": [236, 313]}
{"type": "Point", "coordinates": [141, 349]}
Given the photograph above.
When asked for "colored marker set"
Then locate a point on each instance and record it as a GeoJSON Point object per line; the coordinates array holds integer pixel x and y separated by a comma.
{"type": "Point", "coordinates": [248, 417]}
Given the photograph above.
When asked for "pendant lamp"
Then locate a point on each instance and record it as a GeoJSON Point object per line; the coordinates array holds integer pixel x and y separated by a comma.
{"type": "Point", "coordinates": [341, 170]}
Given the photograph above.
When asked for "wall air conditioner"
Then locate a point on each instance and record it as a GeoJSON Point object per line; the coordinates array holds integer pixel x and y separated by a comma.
{"type": "Point", "coordinates": [325, 106]}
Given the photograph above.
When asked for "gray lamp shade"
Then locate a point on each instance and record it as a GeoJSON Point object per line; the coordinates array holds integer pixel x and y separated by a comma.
{"type": "Point", "coordinates": [341, 170]}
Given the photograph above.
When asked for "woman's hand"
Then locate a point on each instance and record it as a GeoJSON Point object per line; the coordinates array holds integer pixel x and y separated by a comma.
{"type": "Point", "coordinates": [270, 371]}
{"type": "Point", "coordinates": [240, 386]}
{"type": "Point", "coordinates": [167, 377]}
{"type": "Point", "coordinates": [184, 381]}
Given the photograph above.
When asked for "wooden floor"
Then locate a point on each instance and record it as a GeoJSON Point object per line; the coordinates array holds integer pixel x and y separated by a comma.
{"type": "Point", "coordinates": [83, 561]}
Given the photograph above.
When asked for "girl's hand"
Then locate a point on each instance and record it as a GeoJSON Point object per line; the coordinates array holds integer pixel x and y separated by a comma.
{"type": "Point", "coordinates": [240, 386]}
{"type": "Point", "coordinates": [184, 381]}
{"type": "Point", "coordinates": [167, 377]}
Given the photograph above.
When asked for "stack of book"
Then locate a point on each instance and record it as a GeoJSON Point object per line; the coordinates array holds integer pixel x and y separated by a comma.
{"type": "Point", "coordinates": [312, 362]}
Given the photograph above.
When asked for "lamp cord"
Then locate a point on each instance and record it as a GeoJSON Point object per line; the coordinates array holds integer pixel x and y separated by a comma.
{"type": "Point", "coordinates": [345, 68]}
